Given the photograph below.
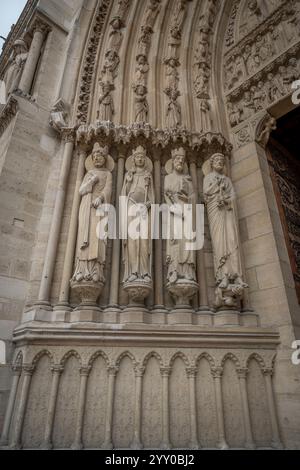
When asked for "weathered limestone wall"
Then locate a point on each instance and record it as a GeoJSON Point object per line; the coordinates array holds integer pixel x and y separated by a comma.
{"type": "Point", "coordinates": [132, 397]}
{"type": "Point", "coordinates": [138, 388]}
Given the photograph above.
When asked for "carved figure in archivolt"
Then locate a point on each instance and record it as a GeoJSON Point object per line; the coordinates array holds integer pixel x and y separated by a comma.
{"type": "Point", "coordinates": [173, 112]}
{"type": "Point", "coordinates": [138, 196]}
{"type": "Point", "coordinates": [141, 103]}
{"type": "Point", "coordinates": [219, 196]}
{"type": "Point", "coordinates": [106, 108]}
{"type": "Point", "coordinates": [116, 35]}
{"type": "Point", "coordinates": [141, 70]}
{"type": "Point", "coordinates": [15, 66]}
{"type": "Point", "coordinates": [151, 13]}
{"type": "Point", "coordinates": [95, 191]}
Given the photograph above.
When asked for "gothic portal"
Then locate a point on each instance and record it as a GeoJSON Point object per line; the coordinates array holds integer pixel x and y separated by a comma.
{"type": "Point", "coordinates": [122, 342]}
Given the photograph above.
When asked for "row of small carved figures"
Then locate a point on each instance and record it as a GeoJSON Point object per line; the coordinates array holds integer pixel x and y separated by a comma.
{"type": "Point", "coordinates": [268, 44]}
{"type": "Point", "coordinates": [265, 92]}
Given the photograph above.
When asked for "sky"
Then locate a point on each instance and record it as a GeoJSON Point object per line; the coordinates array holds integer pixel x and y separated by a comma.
{"type": "Point", "coordinates": [10, 11]}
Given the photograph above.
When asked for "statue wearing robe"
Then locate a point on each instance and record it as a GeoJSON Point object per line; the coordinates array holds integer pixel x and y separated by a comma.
{"type": "Point", "coordinates": [15, 67]}
{"type": "Point", "coordinates": [138, 196]}
{"type": "Point", "coordinates": [95, 190]}
{"type": "Point", "coordinates": [219, 196]}
{"type": "Point", "coordinates": [179, 191]}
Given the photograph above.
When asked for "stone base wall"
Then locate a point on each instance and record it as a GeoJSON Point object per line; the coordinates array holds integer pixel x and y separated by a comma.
{"type": "Point", "coordinates": [105, 389]}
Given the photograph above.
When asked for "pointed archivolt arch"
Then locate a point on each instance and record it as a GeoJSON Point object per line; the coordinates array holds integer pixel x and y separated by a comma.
{"type": "Point", "coordinates": [181, 356]}
{"type": "Point", "coordinates": [40, 355]}
{"type": "Point", "coordinates": [149, 356]}
{"type": "Point", "coordinates": [71, 353]}
{"type": "Point", "coordinates": [96, 355]}
{"type": "Point", "coordinates": [231, 357]}
{"type": "Point", "coordinates": [126, 354]}
{"type": "Point", "coordinates": [208, 357]}
{"type": "Point", "coordinates": [257, 357]}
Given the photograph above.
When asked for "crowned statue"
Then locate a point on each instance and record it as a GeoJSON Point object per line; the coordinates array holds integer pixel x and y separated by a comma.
{"type": "Point", "coordinates": [219, 197]}
{"type": "Point", "coordinates": [95, 192]}
{"type": "Point", "coordinates": [137, 196]}
{"type": "Point", "coordinates": [181, 258]}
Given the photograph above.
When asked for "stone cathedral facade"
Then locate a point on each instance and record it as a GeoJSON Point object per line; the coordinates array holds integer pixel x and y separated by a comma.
{"type": "Point", "coordinates": [142, 343]}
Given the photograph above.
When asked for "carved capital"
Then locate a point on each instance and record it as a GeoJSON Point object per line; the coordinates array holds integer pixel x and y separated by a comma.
{"type": "Point", "coordinates": [165, 371]}
{"type": "Point", "coordinates": [40, 26]}
{"type": "Point", "coordinates": [268, 371]}
{"type": "Point", "coordinates": [112, 371]}
{"type": "Point", "coordinates": [139, 371]}
{"type": "Point", "coordinates": [242, 372]}
{"type": "Point", "coordinates": [57, 369]}
{"type": "Point", "coordinates": [68, 134]}
{"type": "Point", "coordinates": [28, 369]}
{"type": "Point", "coordinates": [16, 369]}
{"type": "Point", "coordinates": [191, 372]}
{"type": "Point", "coordinates": [85, 371]}
{"type": "Point", "coordinates": [217, 372]}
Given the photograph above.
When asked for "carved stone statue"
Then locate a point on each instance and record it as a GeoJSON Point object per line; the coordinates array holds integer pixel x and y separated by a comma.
{"type": "Point", "coordinates": [173, 114]}
{"type": "Point", "coordinates": [137, 198]}
{"type": "Point", "coordinates": [151, 13]}
{"type": "Point", "coordinates": [141, 70]}
{"type": "Point", "coordinates": [116, 35]}
{"type": "Point", "coordinates": [268, 125]}
{"type": "Point", "coordinates": [144, 41]}
{"type": "Point", "coordinates": [254, 14]}
{"type": "Point", "coordinates": [123, 7]}
{"type": "Point", "coordinates": [106, 108]}
{"type": "Point", "coordinates": [141, 103]}
{"type": "Point", "coordinates": [219, 196]}
{"type": "Point", "coordinates": [172, 75]}
{"type": "Point", "coordinates": [110, 67]}
{"type": "Point", "coordinates": [205, 118]}
{"type": "Point", "coordinates": [181, 198]}
{"type": "Point", "coordinates": [15, 66]}
{"type": "Point", "coordinates": [95, 190]}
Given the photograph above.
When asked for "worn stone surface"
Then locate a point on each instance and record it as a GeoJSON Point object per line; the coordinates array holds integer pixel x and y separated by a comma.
{"type": "Point", "coordinates": [172, 74]}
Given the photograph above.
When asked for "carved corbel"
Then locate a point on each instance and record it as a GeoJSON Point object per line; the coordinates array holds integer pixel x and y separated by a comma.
{"type": "Point", "coordinates": [59, 115]}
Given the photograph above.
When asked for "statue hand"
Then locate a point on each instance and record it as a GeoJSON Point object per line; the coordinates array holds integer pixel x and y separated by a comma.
{"type": "Point", "coordinates": [94, 179]}
{"type": "Point", "coordinates": [97, 202]}
{"type": "Point", "coordinates": [129, 177]}
{"type": "Point", "coordinates": [221, 203]}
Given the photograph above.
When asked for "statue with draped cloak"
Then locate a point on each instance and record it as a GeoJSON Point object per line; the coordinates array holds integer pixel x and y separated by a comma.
{"type": "Point", "coordinates": [181, 198]}
{"type": "Point", "coordinates": [95, 191]}
{"type": "Point", "coordinates": [219, 197]}
{"type": "Point", "coordinates": [137, 198]}
{"type": "Point", "coordinates": [15, 66]}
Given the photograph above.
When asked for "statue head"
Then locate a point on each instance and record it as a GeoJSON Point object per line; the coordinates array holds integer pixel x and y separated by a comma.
{"type": "Point", "coordinates": [116, 23]}
{"type": "Point", "coordinates": [179, 159]}
{"type": "Point", "coordinates": [20, 46]}
{"type": "Point", "coordinates": [141, 59]}
{"type": "Point", "coordinates": [217, 162]}
{"type": "Point", "coordinates": [252, 5]}
{"type": "Point", "coordinates": [139, 157]}
{"type": "Point", "coordinates": [293, 62]}
{"type": "Point", "coordinates": [140, 89]}
{"type": "Point", "coordinates": [99, 155]}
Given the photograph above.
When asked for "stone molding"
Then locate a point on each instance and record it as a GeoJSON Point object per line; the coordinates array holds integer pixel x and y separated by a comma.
{"type": "Point", "coordinates": [138, 133]}
{"type": "Point", "coordinates": [164, 335]}
{"type": "Point", "coordinates": [90, 61]}
{"type": "Point", "coordinates": [8, 113]}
